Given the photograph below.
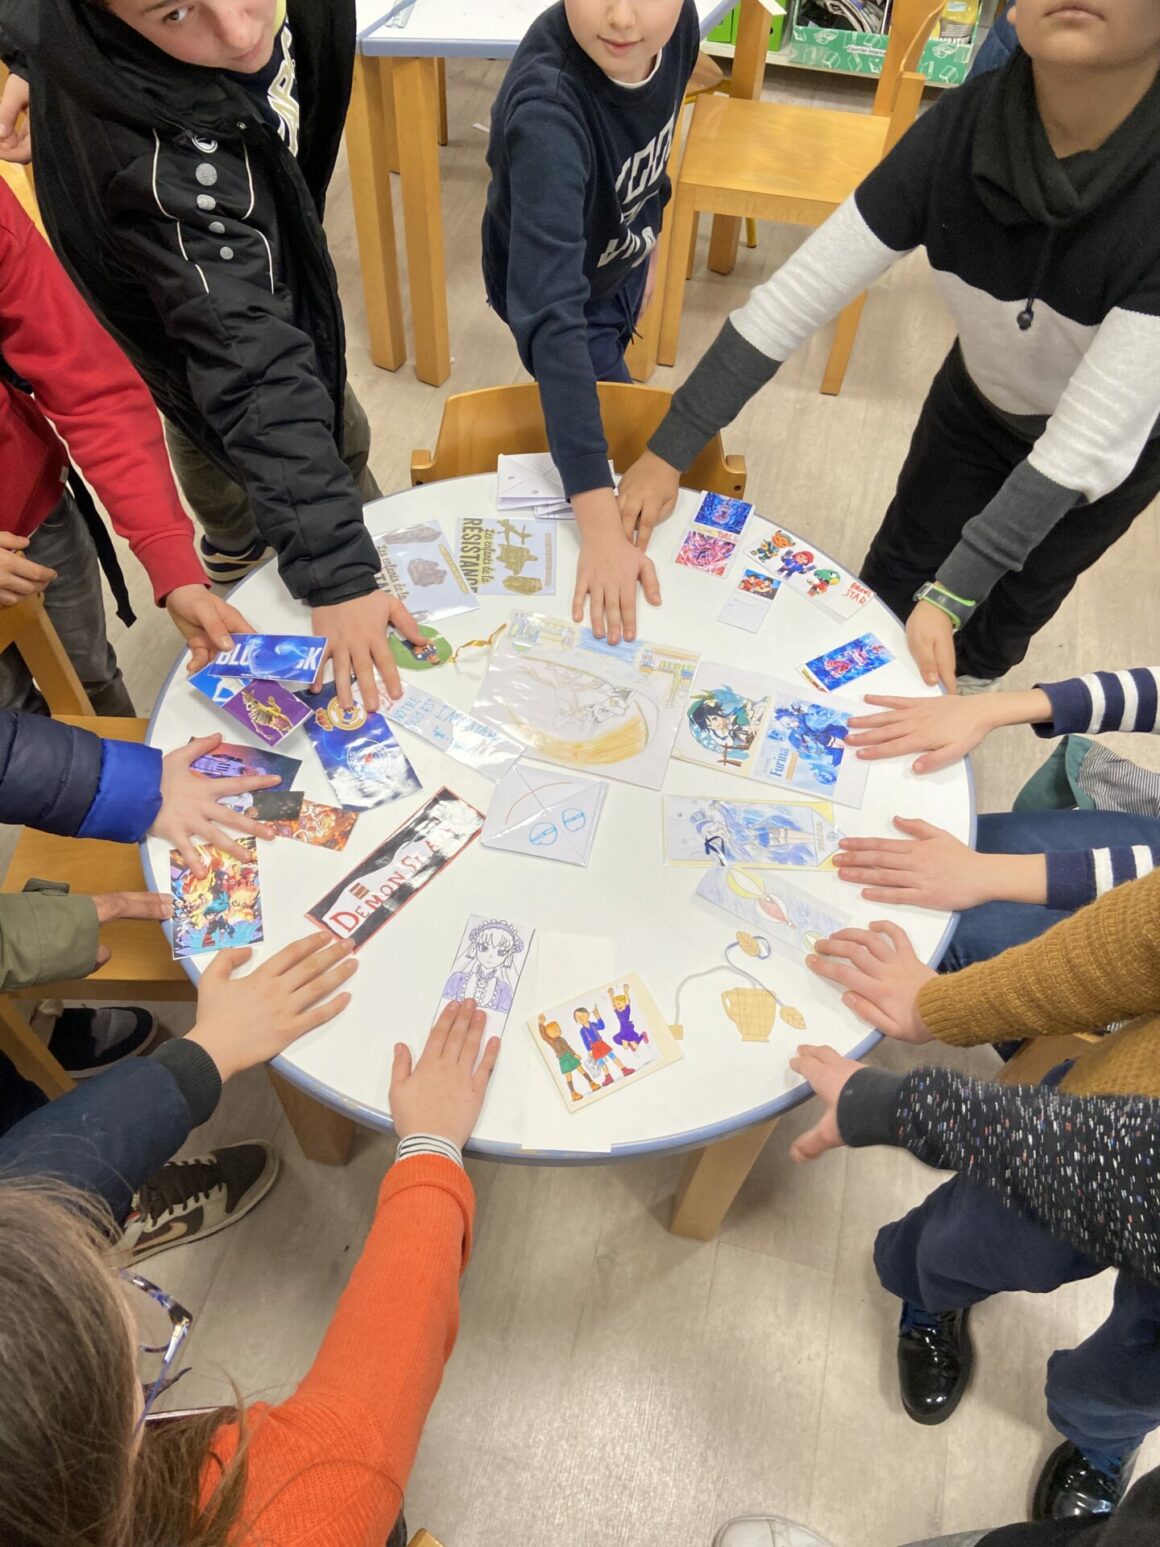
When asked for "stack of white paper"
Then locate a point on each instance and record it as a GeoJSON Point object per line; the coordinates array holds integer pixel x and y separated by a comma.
{"type": "Point", "coordinates": [530, 484]}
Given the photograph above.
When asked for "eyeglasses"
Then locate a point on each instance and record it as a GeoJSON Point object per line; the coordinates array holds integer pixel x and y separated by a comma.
{"type": "Point", "coordinates": [160, 1311]}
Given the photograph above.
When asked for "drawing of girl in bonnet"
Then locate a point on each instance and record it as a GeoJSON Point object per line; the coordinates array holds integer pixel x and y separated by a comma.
{"type": "Point", "coordinates": [484, 971]}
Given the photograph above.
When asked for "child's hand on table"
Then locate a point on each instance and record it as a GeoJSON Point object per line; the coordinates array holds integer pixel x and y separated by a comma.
{"type": "Point", "coordinates": [356, 642]}
{"type": "Point", "coordinates": [932, 869]}
{"type": "Point", "coordinates": [190, 805]}
{"type": "Point", "coordinates": [943, 729]}
{"type": "Point", "coordinates": [827, 1071]}
{"type": "Point", "coordinates": [646, 496]}
{"type": "Point", "coordinates": [609, 568]}
{"type": "Point", "coordinates": [931, 637]}
{"type": "Point", "coordinates": [246, 1021]}
{"type": "Point", "coordinates": [206, 622]}
{"type": "Point", "coordinates": [882, 976]}
{"type": "Point", "coordinates": [443, 1094]}
{"type": "Point", "coordinates": [128, 905]}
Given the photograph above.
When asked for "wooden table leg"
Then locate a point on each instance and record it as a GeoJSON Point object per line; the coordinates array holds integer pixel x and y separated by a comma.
{"type": "Point", "coordinates": [711, 1180]}
{"type": "Point", "coordinates": [416, 121]}
{"type": "Point", "coordinates": [29, 1056]}
{"type": "Point", "coordinates": [370, 187]}
{"type": "Point", "coordinates": [441, 89]}
{"type": "Point", "coordinates": [844, 336]}
{"type": "Point", "coordinates": [748, 77]}
{"type": "Point", "coordinates": [323, 1134]}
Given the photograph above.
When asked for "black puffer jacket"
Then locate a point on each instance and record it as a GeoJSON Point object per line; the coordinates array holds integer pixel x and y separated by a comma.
{"type": "Point", "coordinates": [197, 238]}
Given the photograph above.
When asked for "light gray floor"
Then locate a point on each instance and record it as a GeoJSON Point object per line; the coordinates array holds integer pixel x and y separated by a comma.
{"type": "Point", "coordinates": [612, 1384]}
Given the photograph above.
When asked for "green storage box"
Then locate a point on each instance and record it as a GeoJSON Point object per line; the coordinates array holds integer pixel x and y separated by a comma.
{"type": "Point", "coordinates": [943, 60]}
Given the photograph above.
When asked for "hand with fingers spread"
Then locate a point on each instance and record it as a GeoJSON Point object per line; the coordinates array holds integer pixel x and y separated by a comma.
{"type": "Point", "coordinates": [931, 869]}
{"type": "Point", "coordinates": [243, 1021]}
{"type": "Point", "coordinates": [20, 577]}
{"type": "Point", "coordinates": [15, 129]}
{"type": "Point", "coordinates": [443, 1093]}
{"type": "Point", "coordinates": [931, 637]}
{"type": "Point", "coordinates": [647, 495]}
{"type": "Point", "coordinates": [881, 975]}
{"type": "Point", "coordinates": [827, 1072]}
{"type": "Point", "coordinates": [190, 807]}
{"type": "Point", "coordinates": [609, 569]}
{"type": "Point", "coordinates": [356, 644]}
{"type": "Point", "coordinates": [206, 622]}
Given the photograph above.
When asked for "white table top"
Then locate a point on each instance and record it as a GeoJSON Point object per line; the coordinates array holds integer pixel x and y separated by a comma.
{"type": "Point", "coordinates": [625, 912]}
{"type": "Point", "coordinates": [489, 30]}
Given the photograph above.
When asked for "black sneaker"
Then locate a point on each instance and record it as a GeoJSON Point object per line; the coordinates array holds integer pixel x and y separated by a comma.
{"type": "Point", "coordinates": [90, 1041]}
{"type": "Point", "coordinates": [225, 568]}
{"type": "Point", "coordinates": [1073, 1486]}
{"type": "Point", "coordinates": [934, 1362]}
{"type": "Point", "coordinates": [193, 1198]}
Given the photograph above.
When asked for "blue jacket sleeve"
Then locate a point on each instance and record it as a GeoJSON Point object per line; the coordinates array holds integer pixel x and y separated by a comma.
{"type": "Point", "coordinates": [111, 1134]}
{"type": "Point", "coordinates": [68, 781]}
{"type": "Point", "coordinates": [1103, 701]}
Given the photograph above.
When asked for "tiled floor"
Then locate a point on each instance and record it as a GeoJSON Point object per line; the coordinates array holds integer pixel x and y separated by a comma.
{"type": "Point", "coordinates": [613, 1384]}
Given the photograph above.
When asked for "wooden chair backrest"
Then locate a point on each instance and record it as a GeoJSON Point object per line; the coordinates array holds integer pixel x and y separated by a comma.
{"type": "Point", "coordinates": [911, 24]}
{"type": "Point", "coordinates": [478, 426]}
{"type": "Point", "coordinates": [27, 626]}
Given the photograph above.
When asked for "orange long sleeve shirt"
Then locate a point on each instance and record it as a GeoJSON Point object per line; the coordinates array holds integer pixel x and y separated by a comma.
{"type": "Point", "coordinates": [328, 1467]}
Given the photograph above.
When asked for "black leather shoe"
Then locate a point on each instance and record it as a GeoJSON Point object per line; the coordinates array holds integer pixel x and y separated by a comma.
{"type": "Point", "coordinates": [1071, 1487]}
{"type": "Point", "coordinates": [934, 1362]}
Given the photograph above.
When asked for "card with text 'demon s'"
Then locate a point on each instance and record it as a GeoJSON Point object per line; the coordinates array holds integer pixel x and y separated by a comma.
{"type": "Point", "coordinates": [268, 709]}
{"type": "Point", "coordinates": [277, 657]}
{"type": "Point", "coordinates": [386, 880]}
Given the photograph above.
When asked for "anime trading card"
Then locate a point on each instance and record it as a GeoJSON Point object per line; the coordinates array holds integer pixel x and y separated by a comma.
{"type": "Point", "coordinates": [721, 514]}
{"type": "Point", "coordinates": [366, 766]}
{"type": "Point", "coordinates": [705, 551]}
{"type": "Point", "coordinates": [386, 880]}
{"type": "Point", "coordinates": [323, 827]}
{"type": "Point", "coordinates": [221, 908]}
{"type": "Point", "coordinates": [268, 709]}
{"type": "Point", "coordinates": [278, 657]}
{"type": "Point", "coordinates": [837, 668]}
{"type": "Point", "coordinates": [230, 760]}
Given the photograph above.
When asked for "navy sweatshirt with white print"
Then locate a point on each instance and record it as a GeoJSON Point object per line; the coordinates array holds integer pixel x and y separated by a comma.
{"type": "Point", "coordinates": [578, 186]}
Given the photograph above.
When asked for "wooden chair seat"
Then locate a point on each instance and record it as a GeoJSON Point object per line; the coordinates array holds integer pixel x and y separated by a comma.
{"type": "Point", "coordinates": [478, 426]}
{"type": "Point", "coordinates": [749, 150]}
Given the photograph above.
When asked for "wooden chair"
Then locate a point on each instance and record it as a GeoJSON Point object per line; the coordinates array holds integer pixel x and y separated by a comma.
{"type": "Point", "coordinates": [1037, 1056]}
{"type": "Point", "coordinates": [795, 164]}
{"type": "Point", "coordinates": [141, 966]}
{"type": "Point", "coordinates": [641, 356]}
{"type": "Point", "coordinates": [477, 426]}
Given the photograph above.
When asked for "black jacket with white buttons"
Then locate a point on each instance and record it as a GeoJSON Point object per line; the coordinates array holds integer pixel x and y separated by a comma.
{"type": "Point", "coordinates": [196, 235]}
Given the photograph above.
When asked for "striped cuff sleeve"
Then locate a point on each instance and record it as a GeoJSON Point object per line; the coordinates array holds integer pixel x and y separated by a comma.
{"type": "Point", "coordinates": [1078, 877]}
{"type": "Point", "coordinates": [428, 1144]}
{"type": "Point", "coordinates": [1103, 701]}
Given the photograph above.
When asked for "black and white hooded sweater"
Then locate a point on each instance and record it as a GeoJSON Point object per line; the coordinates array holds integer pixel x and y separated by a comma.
{"type": "Point", "coordinates": [1051, 270]}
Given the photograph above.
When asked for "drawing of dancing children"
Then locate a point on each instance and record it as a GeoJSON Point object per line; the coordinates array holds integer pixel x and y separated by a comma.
{"type": "Point", "coordinates": [628, 1036]}
{"type": "Point", "coordinates": [569, 1063]}
{"type": "Point", "coordinates": [599, 1052]}
{"type": "Point", "coordinates": [484, 972]}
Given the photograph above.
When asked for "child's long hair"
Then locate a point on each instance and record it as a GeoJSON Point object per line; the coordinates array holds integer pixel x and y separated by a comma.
{"type": "Point", "coordinates": [69, 1475]}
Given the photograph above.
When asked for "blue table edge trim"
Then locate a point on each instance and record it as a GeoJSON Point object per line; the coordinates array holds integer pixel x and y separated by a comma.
{"type": "Point", "coordinates": [481, 1149]}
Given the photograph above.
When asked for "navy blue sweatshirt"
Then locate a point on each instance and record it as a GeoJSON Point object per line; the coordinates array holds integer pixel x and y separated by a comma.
{"type": "Point", "coordinates": [578, 183]}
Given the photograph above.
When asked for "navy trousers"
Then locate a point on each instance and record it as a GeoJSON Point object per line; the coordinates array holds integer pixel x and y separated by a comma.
{"type": "Point", "coordinates": [963, 1245]}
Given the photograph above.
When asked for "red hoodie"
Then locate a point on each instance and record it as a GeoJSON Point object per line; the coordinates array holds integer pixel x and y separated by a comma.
{"type": "Point", "coordinates": [95, 400]}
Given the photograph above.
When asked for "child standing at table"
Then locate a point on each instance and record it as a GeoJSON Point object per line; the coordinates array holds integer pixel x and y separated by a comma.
{"type": "Point", "coordinates": [580, 139]}
{"type": "Point", "coordinates": [1032, 190]}
{"type": "Point", "coordinates": [182, 159]}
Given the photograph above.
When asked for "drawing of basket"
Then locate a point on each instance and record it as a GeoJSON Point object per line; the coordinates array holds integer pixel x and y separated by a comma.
{"type": "Point", "coordinates": [752, 1011]}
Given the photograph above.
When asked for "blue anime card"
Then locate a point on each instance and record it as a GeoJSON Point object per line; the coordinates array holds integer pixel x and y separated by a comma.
{"type": "Point", "coordinates": [845, 664]}
{"type": "Point", "coordinates": [767, 834]}
{"type": "Point", "coordinates": [721, 514]}
{"type": "Point", "coordinates": [219, 690]}
{"type": "Point", "coordinates": [366, 766]}
{"type": "Point", "coordinates": [280, 657]}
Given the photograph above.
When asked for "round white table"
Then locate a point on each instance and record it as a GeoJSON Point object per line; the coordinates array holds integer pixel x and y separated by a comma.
{"type": "Point", "coordinates": [626, 911]}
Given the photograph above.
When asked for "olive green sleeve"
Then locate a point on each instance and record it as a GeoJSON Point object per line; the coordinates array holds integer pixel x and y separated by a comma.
{"type": "Point", "coordinates": [45, 936]}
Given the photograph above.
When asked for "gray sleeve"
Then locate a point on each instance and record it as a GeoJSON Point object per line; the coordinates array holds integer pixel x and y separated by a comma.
{"type": "Point", "coordinates": [721, 384]}
{"type": "Point", "coordinates": [866, 1107]}
{"type": "Point", "coordinates": [997, 541]}
{"type": "Point", "coordinates": [196, 1076]}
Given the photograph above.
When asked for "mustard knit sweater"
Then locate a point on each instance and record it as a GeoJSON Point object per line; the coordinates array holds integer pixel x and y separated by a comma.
{"type": "Point", "coordinates": [1096, 968]}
